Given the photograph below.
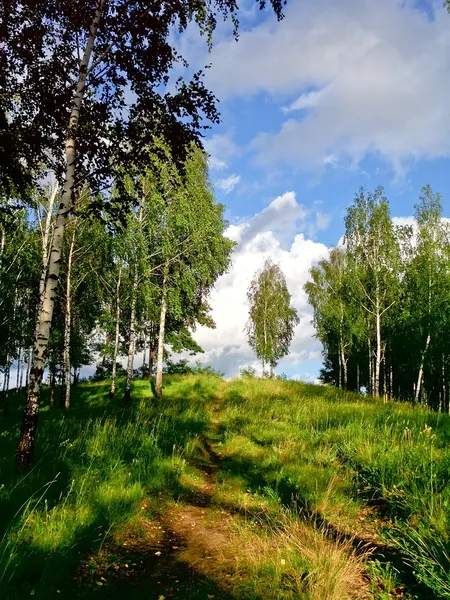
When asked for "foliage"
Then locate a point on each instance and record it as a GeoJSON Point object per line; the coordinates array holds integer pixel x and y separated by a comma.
{"type": "Point", "coordinates": [249, 372]}
{"type": "Point", "coordinates": [384, 286]}
{"type": "Point", "coordinates": [134, 50]}
{"type": "Point", "coordinates": [272, 320]}
{"type": "Point", "coordinates": [183, 367]}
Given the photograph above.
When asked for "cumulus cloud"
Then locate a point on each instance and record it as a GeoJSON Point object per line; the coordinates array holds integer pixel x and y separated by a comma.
{"type": "Point", "coordinates": [361, 77]}
{"type": "Point", "coordinates": [221, 150]}
{"type": "Point", "coordinates": [280, 218]}
{"type": "Point", "coordinates": [228, 184]}
{"type": "Point", "coordinates": [260, 237]}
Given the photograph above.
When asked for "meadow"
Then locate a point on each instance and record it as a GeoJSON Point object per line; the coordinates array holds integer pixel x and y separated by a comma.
{"type": "Point", "coordinates": [246, 489]}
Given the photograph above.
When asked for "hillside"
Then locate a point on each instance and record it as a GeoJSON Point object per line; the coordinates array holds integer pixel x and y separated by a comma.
{"type": "Point", "coordinates": [246, 489]}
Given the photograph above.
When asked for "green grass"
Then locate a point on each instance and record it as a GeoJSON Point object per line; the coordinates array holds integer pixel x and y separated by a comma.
{"type": "Point", "coordinates": [312, 473]}
{"type": "Point", "coordinates": [333, 454]}
{"type": "Point", "coordinates": [93, 469]}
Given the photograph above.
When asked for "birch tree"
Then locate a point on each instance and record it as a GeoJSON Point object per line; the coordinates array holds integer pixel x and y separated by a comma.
{"type": "Point", "coordinates": [372, 243]}
{"type": "Point", "coordinates": [272, 320]}
{"type": "Point", "coordinates": [427, 282]}
{"type": "Point", "coordinates": [195, 251]}
{"type": "Point", "coordinates": [337, 317]}
{"type": "Point", "coordinates": [65, 73]}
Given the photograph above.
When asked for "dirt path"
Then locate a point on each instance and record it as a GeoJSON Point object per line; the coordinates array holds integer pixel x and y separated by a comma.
{"type": "Point", "coordinates": [193, 548]}
{"type": "Point", "coordinates": [176, 554]}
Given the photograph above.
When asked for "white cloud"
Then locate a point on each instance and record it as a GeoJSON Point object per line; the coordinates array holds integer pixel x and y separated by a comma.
{"type": "Point", "coordinates": [280, 217]}
{"type": "Point", "coordinates": [260, 237]}
{"type": "Point", "coordinates": [221, 150]}
{"type": "Point", "coordinates": [368, 77]}
{"type": "Point", "coordinates": [228, 183]}
{"type": "Point", "coordinates": [320, 223]}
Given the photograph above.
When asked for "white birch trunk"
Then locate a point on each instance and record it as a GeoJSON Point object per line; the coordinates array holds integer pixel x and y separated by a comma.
{"type": "Point", "coordinates": [45, 252]}
{"type": "Point", "coordinates": [391, 381]}
{"type": "Point", "coordinates": [340, 366]}
{"type": "Point", "coordinates": [144, 356]}
{"type": "Point", "coordinates": [25, 447]}
{"type": "Point", "coordinates": [344, 367]}
{"type": "Point", "coordinates": [422, 362]}
{"type": "Point", "coordinates": [65, 399]}
{"type": "Point", "coordinates": [19, 368]}
{"type": "Point", "coordinates": [162, 330]}
{"type": "Point", "coordinates": [151, 349]}
{"type": "Point", "coordinates": [376, 391]}
{"type": "Point", "coordinates": [22, 369]}
{"type": "Point", "coordinates": [132, 341]}
{"type": "Point", "coordinates": [112, 389]}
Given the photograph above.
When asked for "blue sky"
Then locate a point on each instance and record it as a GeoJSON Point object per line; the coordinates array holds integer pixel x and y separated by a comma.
{"type": "Point", "coordinates": [340, 94]}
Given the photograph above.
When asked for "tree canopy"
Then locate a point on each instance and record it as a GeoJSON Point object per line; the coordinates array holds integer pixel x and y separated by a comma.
{"type": "Point", "coordinates": [272, 319]}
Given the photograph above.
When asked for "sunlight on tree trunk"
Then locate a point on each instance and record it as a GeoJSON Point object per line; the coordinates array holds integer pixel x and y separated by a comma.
{"type": "Point", "coordinates": [112, 389]}
{"type": "Point", "coordinates": [25, 448]}
{"type": "Point", "coordinates": [162, 327]}
{"type": "Point", "coordinates": [65, 397]}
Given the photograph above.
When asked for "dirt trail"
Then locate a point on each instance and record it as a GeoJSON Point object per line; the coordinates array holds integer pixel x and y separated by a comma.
{"type": "Point", "coordinates": [174, 554]}
{"type": "Point", "coordinates": [184, 553]}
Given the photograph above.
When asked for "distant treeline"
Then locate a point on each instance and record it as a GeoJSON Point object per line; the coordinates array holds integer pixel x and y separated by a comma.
{"type": "Point", "coordinates": [382, 302]}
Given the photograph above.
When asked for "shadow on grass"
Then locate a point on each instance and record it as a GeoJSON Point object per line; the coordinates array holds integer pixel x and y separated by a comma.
{"type": "Point", "coordinates": [264, 480]}
{"type": "Point", "coordinates": [93, 466]}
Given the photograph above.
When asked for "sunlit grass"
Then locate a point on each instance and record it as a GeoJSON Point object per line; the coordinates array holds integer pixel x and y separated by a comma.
{"type": "Point", "coordinates": [94, 467]}
{"type": "Point", "coordinates": [296, 467]}
{"type": "Point", "coordinates": [330, 453]}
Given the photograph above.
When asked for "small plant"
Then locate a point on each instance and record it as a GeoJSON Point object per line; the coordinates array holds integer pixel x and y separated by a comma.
{"type": "Point", "coordinates": [248, 372]}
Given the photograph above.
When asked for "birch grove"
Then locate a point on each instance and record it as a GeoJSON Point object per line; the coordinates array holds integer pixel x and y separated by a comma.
{"type": "Point", "coordinates": [380, 302]}
{"type": "Point", "coordinates": [66, 113]}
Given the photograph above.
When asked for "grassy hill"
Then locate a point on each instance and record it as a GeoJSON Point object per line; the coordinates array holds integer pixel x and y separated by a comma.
{"type": "Point", "coordinates": [246, 489]}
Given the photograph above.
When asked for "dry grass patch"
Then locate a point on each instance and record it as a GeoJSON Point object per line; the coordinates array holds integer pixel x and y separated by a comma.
{"type": "Point", "coordinates": [299, 559]}
{"type": "Point", "coordinates": [267, 558]}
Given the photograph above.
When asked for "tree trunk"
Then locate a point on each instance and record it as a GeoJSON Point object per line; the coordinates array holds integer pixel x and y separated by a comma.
{"type": "Point", "coordinates": [132, 341]}
{"type": "Point", "coordinates": [105, 354]}
{"type": "Point", "coordinates": [19, 368]}
{"type": "Point", "coordinates": [29, 366]}
{"type": "Point", "coordinates": [265, 337]}
{"type": "Point", "coordinates": [25, 449]}
{"type": "Point", "coordinates": [162, 328]}
{"type": "Point", "coordinates": [370, 367]}
{"type": "Point", "coordinates": [144, 356]}
{"type": "Point", "coordinates": [378, 354]}
{"type": "Point", "coordinates": [22, 369]}
{"type": "Point", "coordinates": [344, 368]}
{"type": "Point", "coordinates": [112, 389]}
{"type": "Point", "coordinates": [8, 374]}
{"type": "Point", "coordinates": [151, 349]}
{"type": "Point", "coordinates": [391, 381]}
{"type": "Point", "coordinates": [6, 386]}
{"type": "Point", "coordinates": [5, 375]}
{"type": "Point", "coordinates": [52, 385]}
{"type": "Point", "coordinates": [151, 361]}
{"type": "Point", "coordinates": [45, 253]}
{"type": "Point", "coordinates": [422, 362]}
{"type": "Point", "coordinates": [340, 366]}
{"type": "Point", "coordinates": [65, 395]}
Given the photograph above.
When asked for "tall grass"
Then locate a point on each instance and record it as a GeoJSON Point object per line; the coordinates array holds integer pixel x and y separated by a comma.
{"type": "Point", "coordinates": [93, 469]}
{"type": "Point", "coordinates": [311, 472]}
{"type": "Point", "coordinates": [336, 453]}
